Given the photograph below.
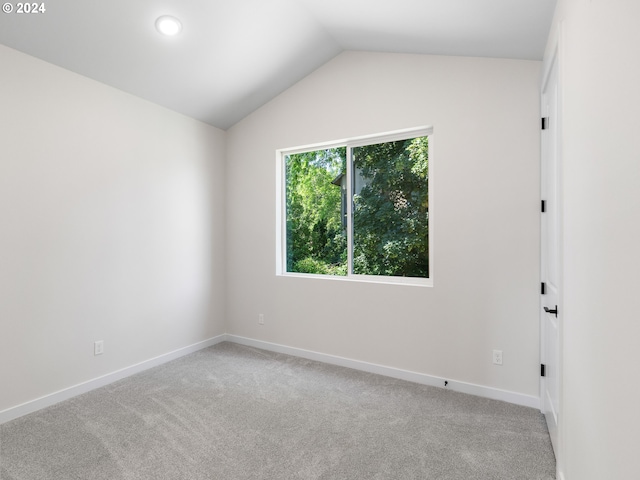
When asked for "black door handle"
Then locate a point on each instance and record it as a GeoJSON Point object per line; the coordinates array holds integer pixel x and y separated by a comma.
{"type": "Point", "coordinates": [554, 311]}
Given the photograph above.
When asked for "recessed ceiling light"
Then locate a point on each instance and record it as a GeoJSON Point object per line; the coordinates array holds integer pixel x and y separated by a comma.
{"type": "Point", "coordinates": [168, 25]}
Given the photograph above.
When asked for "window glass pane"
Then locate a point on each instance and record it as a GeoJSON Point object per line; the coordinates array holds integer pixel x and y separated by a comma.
{"type": "Point", "coordinates": [391, 208]}
{"type": "Point", "coordinates": [316, 212]}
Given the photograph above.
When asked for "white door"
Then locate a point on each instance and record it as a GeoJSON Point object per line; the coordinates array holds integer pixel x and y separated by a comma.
{"type": "Point", "coordinates": [550, 311]}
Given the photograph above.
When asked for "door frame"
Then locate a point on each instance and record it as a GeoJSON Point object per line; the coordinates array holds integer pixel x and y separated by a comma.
{"type": "Point", "coordinates": [555, 56]}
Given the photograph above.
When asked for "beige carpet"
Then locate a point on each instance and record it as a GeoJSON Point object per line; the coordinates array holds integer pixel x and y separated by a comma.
{"type": "Point", "coordinates": [231, 412]}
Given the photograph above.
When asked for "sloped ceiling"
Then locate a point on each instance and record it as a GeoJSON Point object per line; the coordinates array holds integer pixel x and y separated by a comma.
{"type": "Point", "coordinates": [233, 56]}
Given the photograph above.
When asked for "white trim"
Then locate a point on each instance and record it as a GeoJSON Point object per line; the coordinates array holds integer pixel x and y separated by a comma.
{"type": "Point", "coordinates": [403, 134]}
{"type": "Point", "coordinates": [349, 198]}
{"type": "Point", "coordinates": [555, 54]}
{"type": "Point", "coordinates": [421, 378]}
{"type": "Point", "coordinates": [84, 387]}
{"type": "Point", "coordinates": [349, 143]}
{"type": "Point", "coordinates": [424, 379]}
{"type": "Point", "coordinates": [547, 66]}
{"type": "Point", "coordinates": [281, 215]}
{"type": "Point", "coordinates": [404, 281]}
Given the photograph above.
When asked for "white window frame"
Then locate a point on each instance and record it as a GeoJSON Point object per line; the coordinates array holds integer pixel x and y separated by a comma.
{"type": "Point", "coordinates": [350, 143]}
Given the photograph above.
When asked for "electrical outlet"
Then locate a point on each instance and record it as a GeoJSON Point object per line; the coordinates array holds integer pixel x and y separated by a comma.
{"type": "Point", "coordinates": [261, 319]}
{"type": "Point", "coordinates": [497, 357]}
{"type": "Point", "coordinates": [98, 347]}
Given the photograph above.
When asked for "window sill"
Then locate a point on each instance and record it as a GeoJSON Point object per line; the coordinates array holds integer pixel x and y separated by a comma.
{"type": "Point", "coordinates": [404, 281]}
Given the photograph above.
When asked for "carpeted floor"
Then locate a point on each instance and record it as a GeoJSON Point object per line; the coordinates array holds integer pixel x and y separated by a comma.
{"type": "Point", "coordinates": [231, 412]}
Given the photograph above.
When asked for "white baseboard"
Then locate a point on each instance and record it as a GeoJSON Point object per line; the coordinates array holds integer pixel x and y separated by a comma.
{"type": "Point", "coordinates": [464, 387]}
{"type": "Point", "coordinates": [67, 393]}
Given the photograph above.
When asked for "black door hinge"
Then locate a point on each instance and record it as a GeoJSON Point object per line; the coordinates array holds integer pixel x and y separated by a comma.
{"type": "Point", "coordinates": [543, 206]}
{"type": "Point", "coordinates": [542, 370]}
{"type": "Point", "coordinates": [543, 288]}
{"type": "Point", "coordinates": [545, 123]}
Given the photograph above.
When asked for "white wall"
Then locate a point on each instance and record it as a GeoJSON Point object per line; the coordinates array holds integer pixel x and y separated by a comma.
{"type": "Point", "coordinates": [112, 216]}
{"type": "Point", "coordinates": [485, 219]}
{"type": "Point", "coordinates": [601, 88]}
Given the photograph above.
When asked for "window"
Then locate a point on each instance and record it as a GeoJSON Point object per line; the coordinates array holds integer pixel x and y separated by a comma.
{"type": "Point", "coordinates": [357, 209]}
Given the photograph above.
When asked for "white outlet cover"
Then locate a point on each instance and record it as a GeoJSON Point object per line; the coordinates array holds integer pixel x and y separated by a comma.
{"type": "Point", "coordinates": [497, 357]}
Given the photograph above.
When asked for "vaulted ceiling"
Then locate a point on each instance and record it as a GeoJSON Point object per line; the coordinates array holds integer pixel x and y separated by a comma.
{"type": "Point", "coordinates": [232, 56]}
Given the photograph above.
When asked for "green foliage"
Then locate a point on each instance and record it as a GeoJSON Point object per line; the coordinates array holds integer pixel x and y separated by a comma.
{"type": "Point", "coordinates": [316, 242]}
{"type": "Point", "coordinates": [312, 265]}
{"type": "Point", "coordinates": [391, 211]}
